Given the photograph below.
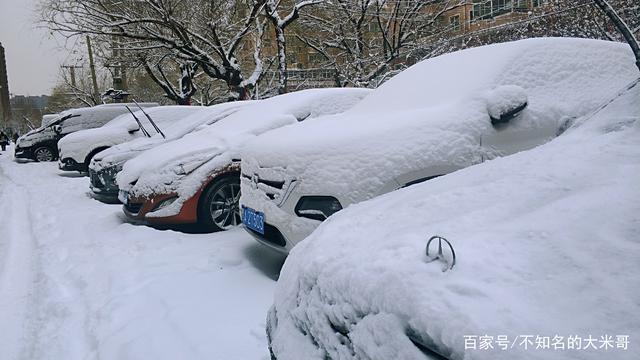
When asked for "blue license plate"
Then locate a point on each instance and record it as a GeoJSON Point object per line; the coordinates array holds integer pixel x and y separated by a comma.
{"type": "Point", "coordinates": [253, 219]}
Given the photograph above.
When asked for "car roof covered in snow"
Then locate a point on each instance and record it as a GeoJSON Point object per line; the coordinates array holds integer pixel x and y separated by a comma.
{"type": "Point", "coordinates": [77, 144]}
{"type": "Point", "coordinates": [418, 119]}
{"type": "Point", "coordinates": [558, 74]}
{"type": "Point", "coordinates": [226, 134]}
{"type": "Point", "coordinates": [178, 129]}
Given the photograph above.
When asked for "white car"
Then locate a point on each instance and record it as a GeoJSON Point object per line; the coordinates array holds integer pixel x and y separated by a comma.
{"type": "Point", "coordinates": [438, 116]}
{"type": "Point", "coordinates": [195, 179]}
{"type": "Point", "coordinates": [106, 164]}
{"type": "Point", "coordinates": [76, 150]}
{"type": "Point", "coordinates": [47, 119]}
{"type": "Point", "coordinates": [546, 246]}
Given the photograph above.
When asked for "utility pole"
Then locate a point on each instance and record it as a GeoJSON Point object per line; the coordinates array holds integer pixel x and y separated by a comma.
{"type": "Point", "coordinates": [92, 68]}
{"type": "Point", "coordinates": [119, 70]}
{"type": "Point", "coordinates": [72, 72]}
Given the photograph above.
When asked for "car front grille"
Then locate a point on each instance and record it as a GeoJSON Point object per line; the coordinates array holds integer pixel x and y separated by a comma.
{"type": "Point", "coordinates": [272, 183]}
{"type": "Point", "coordinates": [95, 180]}
{"type": "Point", "coordinates": [105, 178]}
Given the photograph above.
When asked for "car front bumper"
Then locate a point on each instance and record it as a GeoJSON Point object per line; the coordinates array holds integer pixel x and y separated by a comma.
{"type": "Point", "coordinates": [282, 227]}
{"type": "Point", "coordinates": [69, 164]}
{"type": "Point", "coordinates": [139, 209]}
{"type": "Point", "coordinates": [103, 183]}
{"type": "Point", "coordinates": [23, 153]}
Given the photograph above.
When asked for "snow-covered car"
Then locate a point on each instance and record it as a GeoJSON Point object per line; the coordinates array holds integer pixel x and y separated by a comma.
{"type": "Point", "coordinates": [47, 119]}
{"type": "Point", "coordinates": [106, 164]}
{"type": "Point", "coordinates": [76, 150]}
{"type": "Point", "coordinates": [546, 245]}
{"type": "Point", "coordinates": [439, 116]}
{"type": "Point", "coordinates": [196, 179]}
{"type": "Point", "coordinates": [41, 144]}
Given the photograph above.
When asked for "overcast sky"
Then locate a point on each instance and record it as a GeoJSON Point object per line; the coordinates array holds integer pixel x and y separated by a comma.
{"type": "Point", "coordinates": [33, 57]}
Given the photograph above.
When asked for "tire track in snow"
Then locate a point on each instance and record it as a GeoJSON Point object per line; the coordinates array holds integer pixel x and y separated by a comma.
{"type": "Point", "coordinates": [17, 268]}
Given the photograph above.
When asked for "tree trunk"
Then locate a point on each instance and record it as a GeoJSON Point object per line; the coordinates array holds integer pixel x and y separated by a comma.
{"type": "Point", "coordinates": [282, 60]}
{"type": "Point", "coordinates": [622, 27]}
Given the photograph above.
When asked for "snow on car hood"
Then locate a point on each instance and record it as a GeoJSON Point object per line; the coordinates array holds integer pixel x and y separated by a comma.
{"type": "Point", "coordinates": [546, 241]}
{"type": "Point", "coordinates": [153, 171]}
{"type": "Point", "coordinates": [179, 128]}
{"type": "Point", "coordinates": [77, 145]}
{"type": "Point", "coordinates": [36, 135]}
{"type": "Point", "coordinates": [437, 110]}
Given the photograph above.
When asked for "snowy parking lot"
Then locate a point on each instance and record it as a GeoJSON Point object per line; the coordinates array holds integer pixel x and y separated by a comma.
{"type": "Point", "coordinates": [79, 282]}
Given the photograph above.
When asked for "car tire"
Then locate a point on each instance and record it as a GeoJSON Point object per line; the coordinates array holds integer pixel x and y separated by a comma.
{"type": "Point", "coordinates": [87, 160]}
{"type": "Point", "coordinates": [44, 153]}
{"type": "Point", "coordinates": [219, 206]}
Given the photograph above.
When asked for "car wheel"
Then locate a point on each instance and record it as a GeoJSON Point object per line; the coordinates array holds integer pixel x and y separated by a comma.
{"type": "Point", "coordinates": [220, 205]}
{"type": "Point", "coordinates": [44, 154]}
{"type": "Point", "coordinates": [87, 160]}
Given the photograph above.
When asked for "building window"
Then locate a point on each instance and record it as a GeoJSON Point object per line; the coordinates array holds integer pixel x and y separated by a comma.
{"type": "Point", "coordinates": [536, 3]}
{"type": "Point", "coordinates": [454, 22]}
{"type": "Point", "coordinates": [488, 9]}
{"type": "Point", "coordinates": [315, 59]}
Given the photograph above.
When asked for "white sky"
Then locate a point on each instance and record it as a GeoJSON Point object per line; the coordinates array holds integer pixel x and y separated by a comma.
{"type": "Point", "coordinates": [33, 56]}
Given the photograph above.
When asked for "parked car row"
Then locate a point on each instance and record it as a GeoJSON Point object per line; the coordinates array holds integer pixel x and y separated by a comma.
{"type": "Point", "coordinates": [298, 158]}
{"type": "Point", "coordinates": [283, 165]}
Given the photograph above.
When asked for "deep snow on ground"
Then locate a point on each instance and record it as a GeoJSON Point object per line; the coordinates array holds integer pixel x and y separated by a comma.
{"type": "Point", "coordinates": [77, 282]}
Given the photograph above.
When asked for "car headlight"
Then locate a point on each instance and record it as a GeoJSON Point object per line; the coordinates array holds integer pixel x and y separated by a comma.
{"type": "Point", "coordinates": [317, 207]}
{"type": "Point", "coordinates": [164, 203]}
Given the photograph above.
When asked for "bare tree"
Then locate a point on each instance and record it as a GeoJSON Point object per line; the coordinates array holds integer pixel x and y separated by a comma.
{"type": "Point", "coordinates": [622, 26]}
{"type": "Point", "coordinates": [76, 83]}
{"type": "Point", "coordinates": [560, 18]}
{"type": "Point", "coordinates": [363, 40]}
{"type": "Point", "coordinates": [280, 24]}
{"type": "Point", "coordinates": [208, 33]}
{"type": "Point", "coordinates": [186, 87]}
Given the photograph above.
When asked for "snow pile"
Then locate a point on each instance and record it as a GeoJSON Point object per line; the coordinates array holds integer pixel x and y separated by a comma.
{"type": "Point", "coordinates": [129, 149]}
{"type": "Point", "coordinates": [547, 243]}
{"type": "Point", "coordinates": [161, 170]}
{"type": "Point", "coordinates": [121, 129]}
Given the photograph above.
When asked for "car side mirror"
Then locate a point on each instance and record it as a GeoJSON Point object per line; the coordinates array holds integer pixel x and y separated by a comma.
{"type": "Point", "coordinates": [132, 127]}
{"type": "Point", "coordinates": [57, 129]}
{"type": "Point", "coordinates": [505, 103]}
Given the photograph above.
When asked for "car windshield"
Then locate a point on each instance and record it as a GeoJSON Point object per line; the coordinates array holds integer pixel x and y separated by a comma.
{"type": "Point", "coordinates": [62, 119]}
